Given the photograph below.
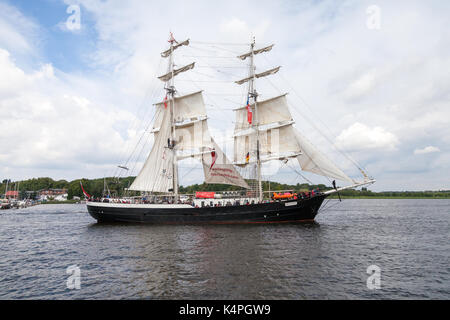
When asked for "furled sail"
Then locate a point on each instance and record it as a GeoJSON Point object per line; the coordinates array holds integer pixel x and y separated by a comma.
{"type": "Point", "coordinates": [166, 53]}
{"type": "Point", "coordinates": [259, 75]}
{"type": "Point", "coordinates": [169, 75]}
{"type": "Point", "coordinates": [218, 169]}
{"type": "Point", "coordinates": [248, 54]}
{"type": "Point", "coordinates": [312, 160]}
{"type": "Point", "coordinates": [157, 172]}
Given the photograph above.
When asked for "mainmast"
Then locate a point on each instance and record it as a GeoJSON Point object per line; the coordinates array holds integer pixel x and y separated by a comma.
{"type": "Point", "coordinates": [252, 93]}
{"type": "Point", "coordinates": [273, 130]}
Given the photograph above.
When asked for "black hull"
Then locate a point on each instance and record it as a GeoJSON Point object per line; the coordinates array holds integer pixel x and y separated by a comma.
{"type": "Point", "coordinates": [274, 212]}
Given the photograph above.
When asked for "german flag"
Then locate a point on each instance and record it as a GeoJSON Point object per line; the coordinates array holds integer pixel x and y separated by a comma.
{"type": "Point", "coordinates": [247, 157]}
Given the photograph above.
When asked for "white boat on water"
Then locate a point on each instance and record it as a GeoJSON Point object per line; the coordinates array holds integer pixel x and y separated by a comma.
{"type": "Point", "coordinates": [5, 204]}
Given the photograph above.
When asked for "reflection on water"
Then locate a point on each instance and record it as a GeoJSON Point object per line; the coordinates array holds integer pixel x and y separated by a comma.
{"type": "Point", "coordinates": [407, 239]}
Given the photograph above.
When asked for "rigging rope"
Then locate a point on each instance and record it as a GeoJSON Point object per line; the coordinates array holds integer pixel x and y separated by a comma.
{"type": "Point", "coordinates": [220, 43]}
{"type": "Point", "coordinates": [153, 89]}
{"type": "Point", "coordinates": [358, 166]}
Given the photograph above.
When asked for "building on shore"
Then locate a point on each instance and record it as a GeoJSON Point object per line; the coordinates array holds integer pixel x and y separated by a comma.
{"type": "Point", "coordinates": [12, 194]}
{"type": "Point", "coordinates": [53, 194]}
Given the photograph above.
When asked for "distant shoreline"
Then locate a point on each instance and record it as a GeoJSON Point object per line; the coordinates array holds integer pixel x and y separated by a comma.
{"type": "Point", "coordinates": [117, 187]}
{"type": "Point", "coordinates": [386, 197]}
{"type": "Point", "coordinates": [61, 202]}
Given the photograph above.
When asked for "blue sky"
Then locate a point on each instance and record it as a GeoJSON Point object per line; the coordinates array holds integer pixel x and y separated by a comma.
{"type": "Point", "coordinates": [75, 102]}
{"type": "Point", "coordinates": [65, 50]}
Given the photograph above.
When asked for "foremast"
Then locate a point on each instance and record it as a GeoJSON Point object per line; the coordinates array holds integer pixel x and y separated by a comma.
{"type": "Point", "coordinates": [170, 92]}
{"type": "Point", "coordinates": [169, 79]}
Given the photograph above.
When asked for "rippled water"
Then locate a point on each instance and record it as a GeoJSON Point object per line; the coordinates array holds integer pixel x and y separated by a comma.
{"type": "Point", "coordinates": [407, 239]}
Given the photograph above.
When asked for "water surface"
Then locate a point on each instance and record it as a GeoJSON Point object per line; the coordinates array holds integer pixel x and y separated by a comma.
{"type": "Point", "coordinates": [407, 239]}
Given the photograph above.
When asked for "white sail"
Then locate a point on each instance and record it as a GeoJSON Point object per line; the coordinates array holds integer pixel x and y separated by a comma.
{"type": "Point", "coordinates": [276, 143]}
{"type": "Point", "coordinates": [271, 132]}
{"type": "Point", "coordinates": [312, 160]}
{"type": "Point", "coordinates": [275, 131]}
{"type": "Point", "coordinates": [191, 134]}
{"type": "Point", "coordinates": [190, 119]}
{"type": "Point", "coordinates": [222, 170]}
{"type": "Point", "coordinates": [157, 172]}
{"type": "Point", "coordinates": [270, 111]}
{"type": "Point", "coordinates": [243, 145]}
{"type": "Point", "coordinates": [187, 107]}
{"type": "Point", "coordinates": [279, 141]}
{"type": "Point", "coordinates": [194, 135]}
{"type": "Point", "coordinates": [159, 115]}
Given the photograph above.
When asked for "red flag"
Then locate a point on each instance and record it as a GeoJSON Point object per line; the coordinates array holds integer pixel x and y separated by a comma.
{"type": "Point", "coordinates": [165, 102]}
{"type": "Point", "coordinates": [172, 39]}
{"type": "Point", "coordinates": [249, 111]}
{"type": "Point", "coordinates": [84, 192]}
{"type": "Point", "coordinates": [214, 157]}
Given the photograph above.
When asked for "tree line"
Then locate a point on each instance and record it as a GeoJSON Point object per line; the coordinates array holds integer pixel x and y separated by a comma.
{"type": "Point", "coordinates": [117, 187]}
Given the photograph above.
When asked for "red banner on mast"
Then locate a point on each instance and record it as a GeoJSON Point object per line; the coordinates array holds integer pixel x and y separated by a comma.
{"type": "Point", "coordinates": [249, 111]}
{"type": "Point", "coordinates": [84, 192]}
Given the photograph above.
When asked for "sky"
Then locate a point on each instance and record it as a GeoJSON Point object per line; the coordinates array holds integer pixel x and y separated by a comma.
{"type": "Point", "coordinates": [367, 81]}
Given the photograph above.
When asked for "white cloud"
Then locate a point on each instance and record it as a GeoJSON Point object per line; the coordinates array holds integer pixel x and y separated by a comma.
{"type": "Point", "coordinates": [238, 30]}
{"type": "Point", "coordinates": [429, 149]}
{"type": "Point", "coordinates": [361, 86]}
{"type": "Point", "coordinates": [15, 30]}
{"type": "Point", "coordinates": [374, 88]}
{"type": "Point", "coordinates": [359, 137]}
{"type": "Point", "coordinates": [47, 125]}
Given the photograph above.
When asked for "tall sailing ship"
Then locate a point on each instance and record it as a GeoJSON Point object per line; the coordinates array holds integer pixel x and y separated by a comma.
{"type": "Point", "coordinates": [264, 131]}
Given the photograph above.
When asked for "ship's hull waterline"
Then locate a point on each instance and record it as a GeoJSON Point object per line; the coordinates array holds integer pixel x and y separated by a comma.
{"type": "Point", "coordinates": [274, 212]}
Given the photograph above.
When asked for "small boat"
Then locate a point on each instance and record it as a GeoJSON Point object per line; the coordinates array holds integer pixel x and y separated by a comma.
{"type": "Point", "coordinates": [5, 204]}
